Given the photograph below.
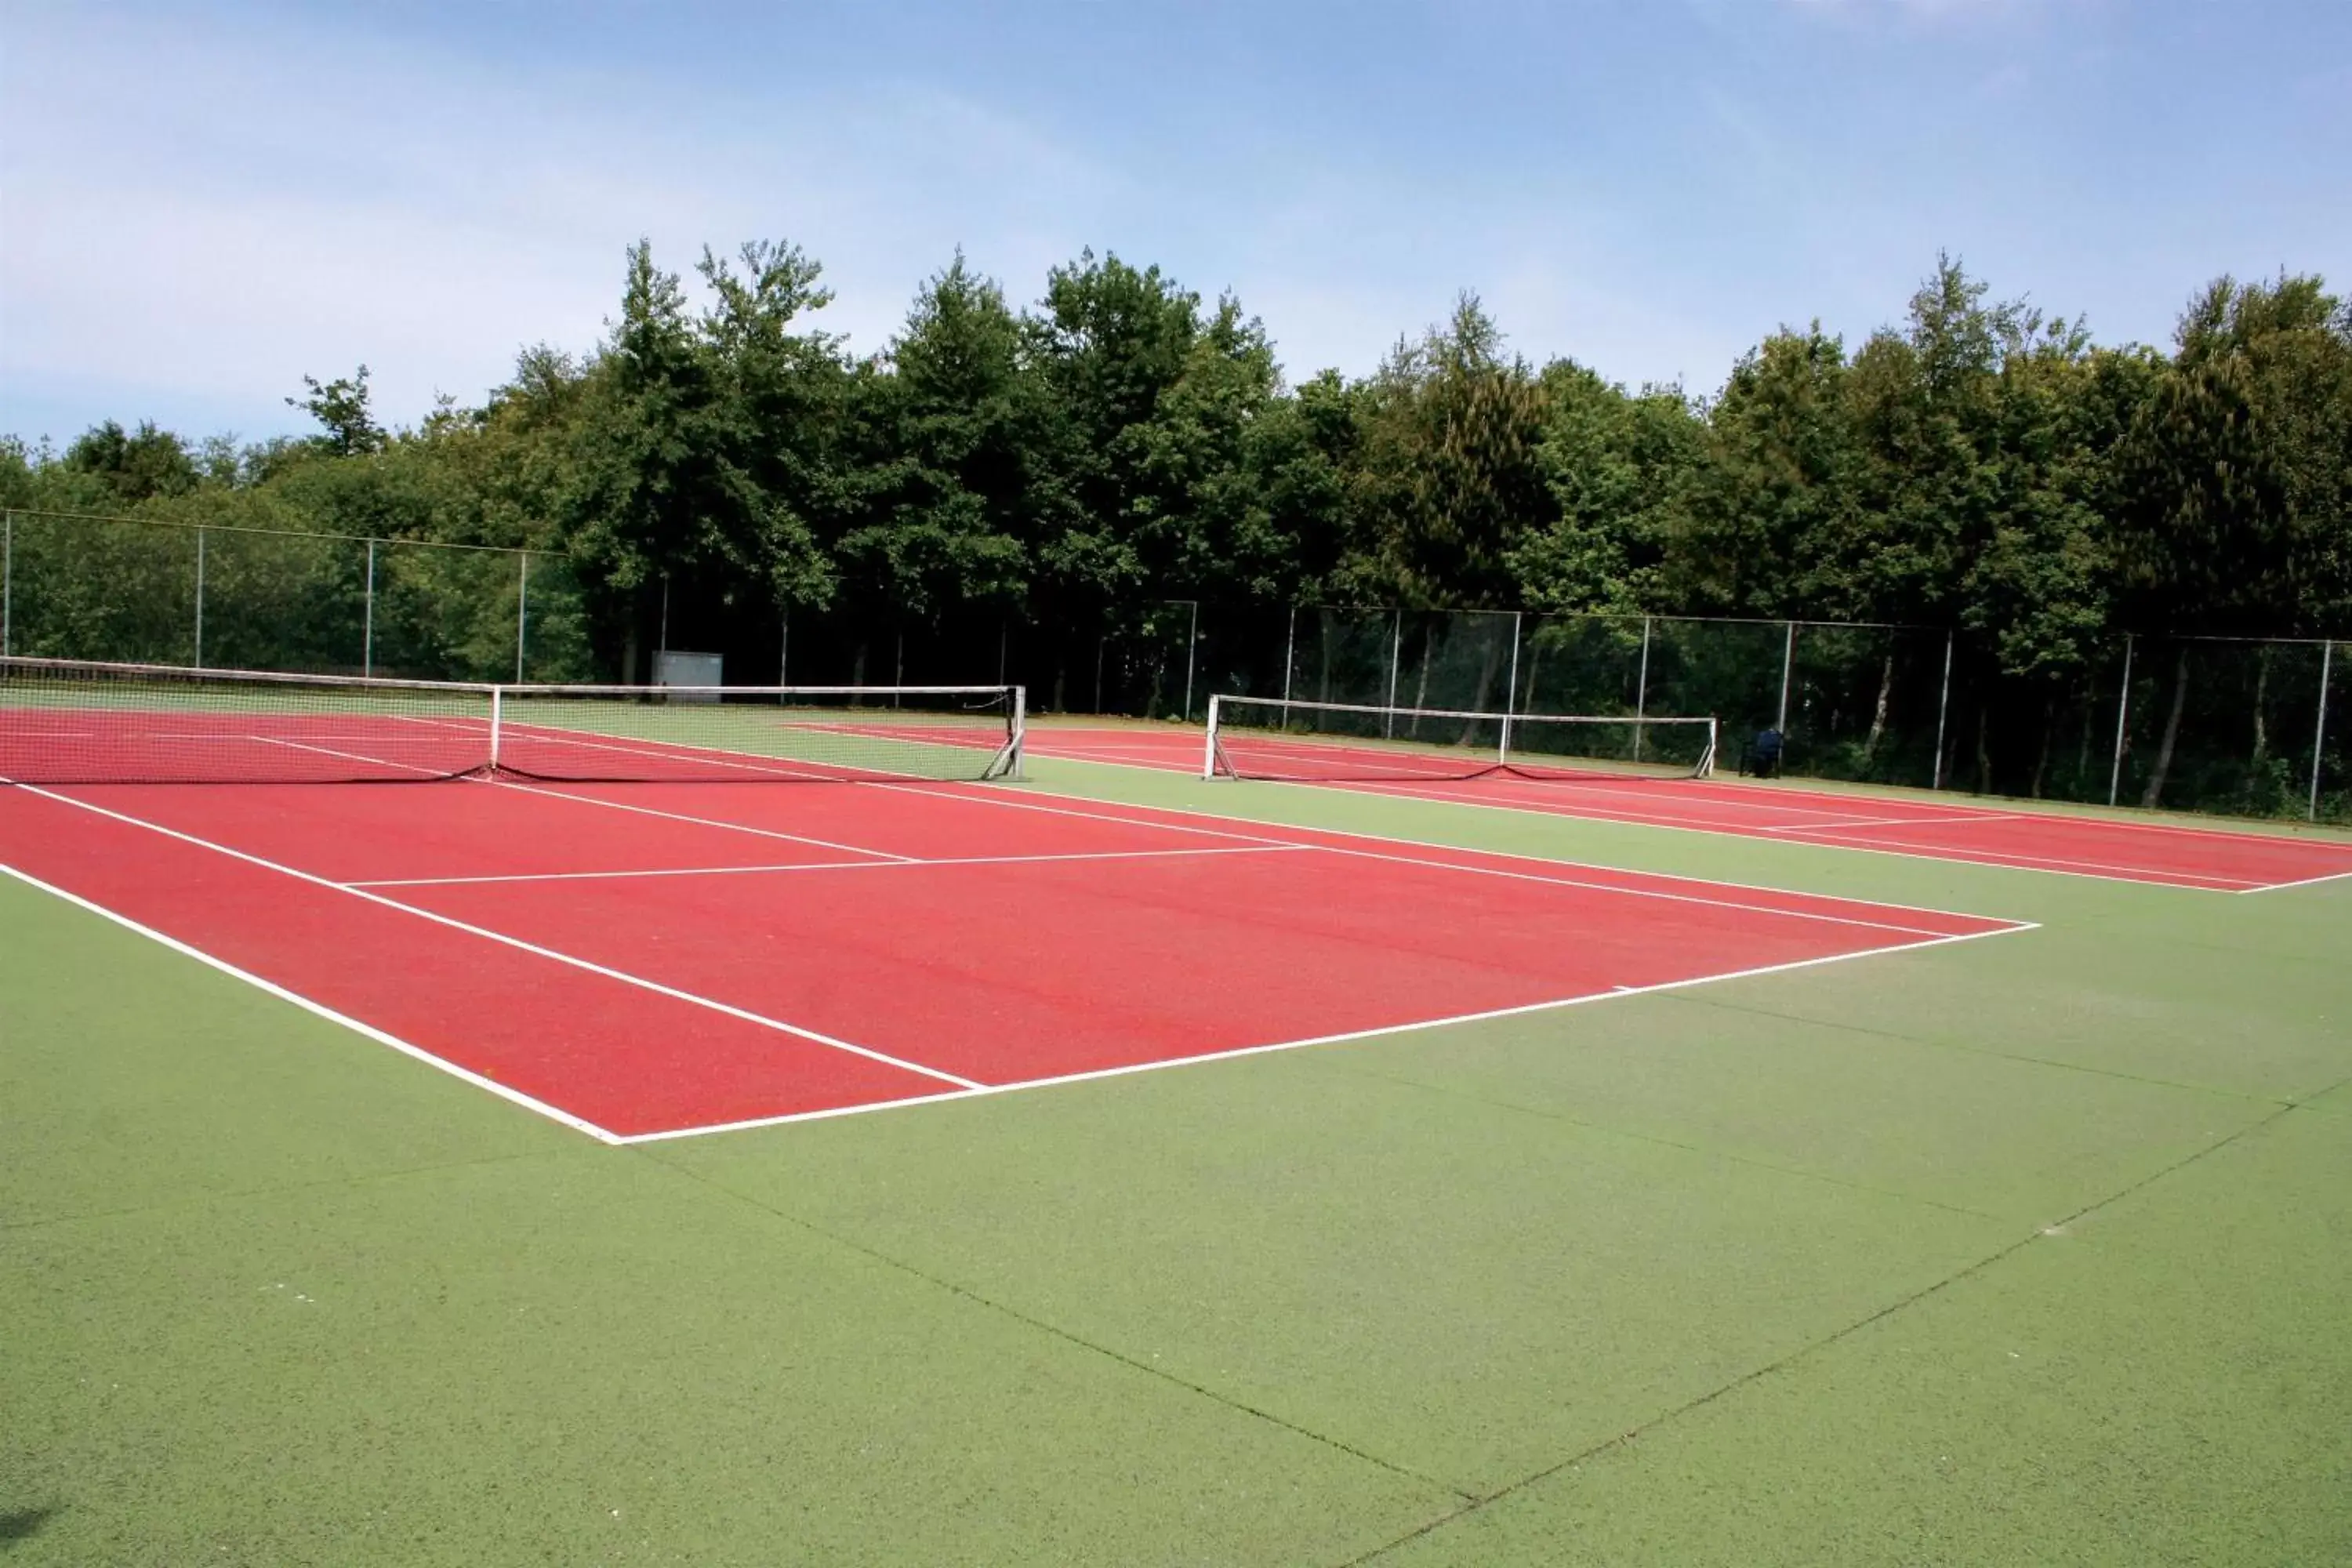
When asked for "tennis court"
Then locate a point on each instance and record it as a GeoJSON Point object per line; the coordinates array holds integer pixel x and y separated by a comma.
{"type": "Point", "coordinates": [458, 1125]}
{"type": "Point", "coordinates": [2168, 853]}
{"type": "Point", "coordinates": [647, 961]}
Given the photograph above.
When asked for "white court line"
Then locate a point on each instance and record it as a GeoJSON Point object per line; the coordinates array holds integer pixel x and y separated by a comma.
{"type": "Point", "coordinates": [319, 1009]}
{"type": "Point", "coordinates": [700, 821]}
{"type": "Point", "coordinates": [1488, 854]}
{"type": "Point", "coordinates": [2144, 876]}
{"type": "Point", "coordinates": [1413, 1027]}
{"type": "Point", "coordinates": [1971, 818]}
{"type": "Point", "coordinates": [2196, 880]}
{"type": "Point", "coordinates": [640, 982]}
{"type": "Point", "coordinates": [610, 805]}
{"type": "Point", "coordinates": [2138, 876]}
{"type": "Point", "coordinates": [2304, 883]}
{"type": "Point", "coordinates": [833, 866]}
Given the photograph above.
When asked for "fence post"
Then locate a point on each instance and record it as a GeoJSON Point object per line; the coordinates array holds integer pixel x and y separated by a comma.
{"type": "Point", "coordinates": [1788, 669]}
{"type": "Point", "coordinates": [1290, 658]}
{"type": "Point", "coordinates": [1396, 652]}
{"type": "Point", "coordinates": [200, 598]}
{"type": "Point", "coordinates": [784, 647]}
{"type": "Point", "coordinates": [2319, 737]}
{"type": "Point", "coordinates": [522, 607]}
{"type": "Point", "coordinates": [2122, 714]}
{"type": "Point", "coordinates": [1510, 692]}
{"type": "Point", "coordinates": [367, 618]}
{"type": "Point", "coordinates": [1641, 691]}
{"type": "Point", "coordinates": [1943, 710]}
{"type": "Point", "coordinates": [664, 648]}
{"type": "Point", "coordinates": [1191, 651]}
{"type": "Point", "coordinates": [7, 580]}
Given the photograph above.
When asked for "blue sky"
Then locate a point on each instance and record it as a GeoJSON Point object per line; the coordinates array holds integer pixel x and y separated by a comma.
{"type": "Point", "coordinates": [199, 203]}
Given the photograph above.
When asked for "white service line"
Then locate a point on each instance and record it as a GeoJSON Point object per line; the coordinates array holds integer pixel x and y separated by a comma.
{"type": "Point", "coordinates": [319, 1009]}
{"type": "Point", "coordinates": [699, 821]}
{"type": "Point", "coordinates": [2150, 875]}
{"type": "Point", "coordinates": [1413, 1027]}
{"type": "Point", "coordinates": [835, 866]}
{"type": "Point", "coordinates": [589, 965]}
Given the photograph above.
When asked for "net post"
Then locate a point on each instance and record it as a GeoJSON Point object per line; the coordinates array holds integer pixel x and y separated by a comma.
{"type": "Point", "coordinates": [1510, 694]}
{"type": "Point", "coordinates": [1705, 769]}
{"type": "Point", "coordinates": [1018, 744]}
{"type": "Point", "coordinates": [200, 598]}
{"type": "Point", "coordinates": [498, 695]}
{"type": "Point", "coordinates": [1943, 710]}
{"type": "Point", "coordinates": [2123, 716]}
{"type": "Point", "coordinates": [367, 617]}
{"type": "Point", "coordinates": [1209, 742]}
{"type": "Point", "coordinates": [2319, 737]}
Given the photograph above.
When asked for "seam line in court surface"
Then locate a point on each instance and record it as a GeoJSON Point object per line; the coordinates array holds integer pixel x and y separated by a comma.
{"type": "Point", "coordinates": [1042, 1326]}
{"type": "Point", "coordinates": [1757, 1374]}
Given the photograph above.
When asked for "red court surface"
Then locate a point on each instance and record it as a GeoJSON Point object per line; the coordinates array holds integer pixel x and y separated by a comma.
{"type": "Point", "coordinates": [2169, 854]}
{"type": "Point", "coordinates": [650, 960]}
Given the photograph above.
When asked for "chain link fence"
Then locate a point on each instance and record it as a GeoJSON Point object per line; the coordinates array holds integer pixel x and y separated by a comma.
{"type": "Point", "coordinates": [2249, 727]}
{"type": "Point", "coordinates": [243, 598]}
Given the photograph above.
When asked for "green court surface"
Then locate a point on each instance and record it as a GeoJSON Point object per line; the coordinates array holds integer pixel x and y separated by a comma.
{"type": "Point", "coordinates": [2032, 1249]}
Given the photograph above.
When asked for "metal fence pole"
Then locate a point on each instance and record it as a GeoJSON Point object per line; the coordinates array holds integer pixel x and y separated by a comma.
{"type": "Point", "coordinates": [1511, 691]}
{"type": "Point", "coordinates": [2319, 737]}
{"type": "Point", "coordinates": [1191, 651]}
{"type": "Point", "coordinates": [2123, 715]}
{"type": "Point", "coordinates": [1396, 653]}
{"type": "Point", "coordinates": [1943, 710]}
{"type": "Point", "coordinates": [1641, 691]}
{"type": "Point", "coordinates": [7, 581]}
{"type": "Point", "coordinates": [522, 607]}
{"type": "Point", "coordinates": [1290, 658]}
{"type": "Point", "coordinates": [1787, 670]}
{"type": "Point", "coordinates": [367, 618]}
{"type": "Point", "coordinates": [200, 598]}
{"type": "Point", "coordinates": [784, 647]}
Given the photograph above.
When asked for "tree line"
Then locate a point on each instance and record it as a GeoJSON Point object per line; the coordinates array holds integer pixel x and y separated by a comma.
{"type": "Point", "coordinates": [1121, 442]}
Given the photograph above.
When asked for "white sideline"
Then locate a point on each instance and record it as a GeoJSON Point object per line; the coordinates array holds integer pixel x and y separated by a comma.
{"type": "Point", "coordinates": [1415, 1026]}
{"type": "Point", "coordinates": [1490, 870]}
{"type": "Point", "coordinates": [832, 866]}
{"type": "Point", "coordinates": [317, 1009]}
{"type": "Point", "coordinates": [589, 965]}
{"type": "Point", "coordinates": [1436, 790]}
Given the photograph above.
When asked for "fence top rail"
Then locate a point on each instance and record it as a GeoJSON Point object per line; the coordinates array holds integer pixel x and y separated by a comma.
{"type": "Point", "coordinates": [1222, 700]}
{"type": "Point", "coordinates": [101, 670]}
{"type": "Point", "coordinates": [15, 511]}
{"type": "Point", "coordinates": [184, 673]}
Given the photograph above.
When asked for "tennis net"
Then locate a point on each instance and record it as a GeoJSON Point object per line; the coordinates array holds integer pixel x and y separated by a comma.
{"type": "Point", "coordinates": [1337, 742]}
{"type": "Point", "coordinates": [65, 722]}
